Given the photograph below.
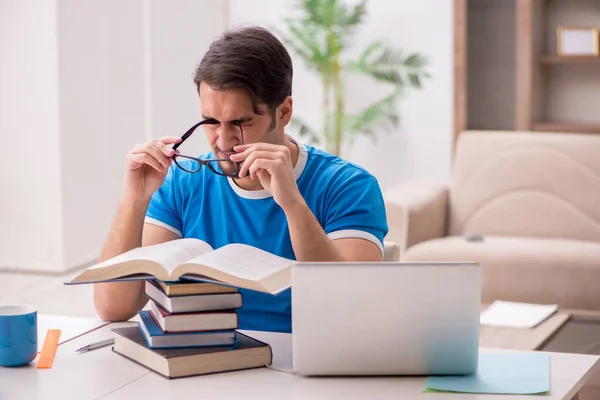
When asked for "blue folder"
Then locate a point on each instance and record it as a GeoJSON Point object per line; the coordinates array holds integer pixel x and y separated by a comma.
{"type": "Point", "coordinates": [207, 340]}
{"type": "Point", "coordinates": [519, 373]}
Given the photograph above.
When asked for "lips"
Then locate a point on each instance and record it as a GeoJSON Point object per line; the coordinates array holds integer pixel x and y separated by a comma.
{"type": "Point", "coordinates": [227, 154]}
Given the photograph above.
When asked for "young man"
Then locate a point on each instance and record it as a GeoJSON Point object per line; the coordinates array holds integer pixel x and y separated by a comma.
{"type": "Point", "coordinates": [265, 190]}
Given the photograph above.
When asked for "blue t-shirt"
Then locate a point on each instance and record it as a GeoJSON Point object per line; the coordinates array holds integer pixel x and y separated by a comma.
{"type": "Point", "coordinates": [345, 199]}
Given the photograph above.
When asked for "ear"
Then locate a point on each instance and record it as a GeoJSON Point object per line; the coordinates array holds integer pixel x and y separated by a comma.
{"type": "Point", "coordinates": [283, 114]}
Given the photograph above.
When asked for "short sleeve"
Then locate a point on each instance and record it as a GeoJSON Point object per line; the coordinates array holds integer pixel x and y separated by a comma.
{"type": "Point", "coordinates": [162, 210]}
{"type": "Point", "coordinates": [356, 209]}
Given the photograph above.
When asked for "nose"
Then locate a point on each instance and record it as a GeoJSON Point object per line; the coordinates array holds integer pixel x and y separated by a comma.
{"type": "Point", "coordinates": [229, 136]}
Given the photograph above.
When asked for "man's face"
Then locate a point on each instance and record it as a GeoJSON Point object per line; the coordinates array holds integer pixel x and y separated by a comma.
{"type": "Point", "coordinates": [230, 107]}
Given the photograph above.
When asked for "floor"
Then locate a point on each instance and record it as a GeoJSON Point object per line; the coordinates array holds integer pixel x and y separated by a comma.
{"type": "Point", "coordinates": [48, 293]}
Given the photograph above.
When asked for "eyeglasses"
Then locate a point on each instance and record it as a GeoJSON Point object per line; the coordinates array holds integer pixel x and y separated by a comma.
{"type": "Point", "coordinates": [219, 166]}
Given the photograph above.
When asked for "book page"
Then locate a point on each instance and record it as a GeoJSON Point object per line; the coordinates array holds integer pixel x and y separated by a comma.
{"type": "Point", "coordinates": [169, 254]}
{"type": "Point", "coordinates": [244, 261]}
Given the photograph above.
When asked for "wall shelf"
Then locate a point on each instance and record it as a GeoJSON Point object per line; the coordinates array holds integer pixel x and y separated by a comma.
{"type": "Point", "coordinates": [544, 126]}
{"type": "Point", "coordinates": [507, 71]}
{"type": "Point", "coordinates": [570, 60]}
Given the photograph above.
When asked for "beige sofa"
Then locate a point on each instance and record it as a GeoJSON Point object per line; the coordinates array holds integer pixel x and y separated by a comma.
{"type": "Point", "coordinates": [534, 200]}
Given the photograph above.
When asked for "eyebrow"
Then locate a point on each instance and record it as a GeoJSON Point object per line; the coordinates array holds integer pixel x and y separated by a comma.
{"type": "Point", "coordinates": [240, 120]}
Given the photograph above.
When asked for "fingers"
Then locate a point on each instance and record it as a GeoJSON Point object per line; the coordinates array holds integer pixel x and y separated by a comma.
{"type": "Point", "coordinates": [160, 156]}
{"type": "Point", "coordinates": [263, 164]}
{"type": "Point", "coordinates": [144, 158]}
{"type": "Point", "coordinates": [248, 160]}
{"type": "Point", "coordinates": [155, 153]}
{"type": "Point", "coordinates": [169, 140]}
{"type": "Point", "coordinates": [251, 147]}
{"type": "Point", "coordinates": [158, 150]}
{"type": "Point", "coordinates": [161, 146]}
{"type": "Point", "coordinates": [164, 148]}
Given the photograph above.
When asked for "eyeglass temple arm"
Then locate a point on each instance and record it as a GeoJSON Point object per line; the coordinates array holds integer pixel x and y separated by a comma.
{"type": "Point", "coordinates": [187, 134]}
{"type": "Point", "coordinates": [191, 130]}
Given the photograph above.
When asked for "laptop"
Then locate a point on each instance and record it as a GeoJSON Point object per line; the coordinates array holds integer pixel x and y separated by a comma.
{"type": "Point", "coordinates": [385, 318]}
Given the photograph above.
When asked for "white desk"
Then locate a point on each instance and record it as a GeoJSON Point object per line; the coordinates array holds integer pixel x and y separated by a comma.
{"type": "Point", "coordinates": [104, 374]}
{"type": "Point", "coordinates": [72, 376]}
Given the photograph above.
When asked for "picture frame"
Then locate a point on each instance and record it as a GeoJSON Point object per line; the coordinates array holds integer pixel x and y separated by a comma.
{"type": "Point", "coordinates": [577, 41]}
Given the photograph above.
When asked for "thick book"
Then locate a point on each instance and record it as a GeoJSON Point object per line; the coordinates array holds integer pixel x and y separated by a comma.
{"type": "Point", "coordinates": [157, 339]}
{"type": "Point", "coordinates": [193, 321]}
{"type": "Point", "coordinates": [237, 265]}
{"type": "Point", "coordinates": [183, 288]}
{"type": "Point", "coordinates": [193, 303]}
{"type": "Point", "coordinates": [177, 363]}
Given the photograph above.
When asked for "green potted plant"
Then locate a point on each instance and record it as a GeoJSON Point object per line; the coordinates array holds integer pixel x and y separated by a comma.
{"type": "Point", "coordinates": [320, 35]}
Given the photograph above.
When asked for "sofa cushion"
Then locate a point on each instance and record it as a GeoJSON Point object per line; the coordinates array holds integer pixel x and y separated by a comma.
{"type": "Point", "coordinates": [526, 184]}
{"type": "Point", "coordinates": [537, 270]}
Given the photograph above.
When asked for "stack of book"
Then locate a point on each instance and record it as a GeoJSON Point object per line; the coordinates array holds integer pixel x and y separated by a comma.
{"type": "Point", "coordinates": [190, 329]}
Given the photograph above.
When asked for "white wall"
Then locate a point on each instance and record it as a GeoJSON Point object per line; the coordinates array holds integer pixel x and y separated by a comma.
{"type": "Point", "coordinates": [30, 197]}
{"type": "Point", "coordinates": [421, 147]}
{"type": "Point", "coordinates": [81, 83]}
{"type": "Point", "coordinates": [126, 76]}
{"type": "Point", "coordinates": [102, 114]}
{"type": "Point", "coordinates": [180, 33]}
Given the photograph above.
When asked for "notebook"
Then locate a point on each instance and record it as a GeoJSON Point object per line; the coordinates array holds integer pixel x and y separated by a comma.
{"type": "Point", "coordinates": [510, 314]}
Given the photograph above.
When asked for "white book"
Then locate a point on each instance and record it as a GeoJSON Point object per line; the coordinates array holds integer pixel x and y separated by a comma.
{"type": "Point", "coordinates": [509, 314]}
{"type": "Point", "coordinates": [194, 321]}
{"type": "Point", "coordinates": [193, 303]}
{"type": "Point", "coordinates": [237, 265]}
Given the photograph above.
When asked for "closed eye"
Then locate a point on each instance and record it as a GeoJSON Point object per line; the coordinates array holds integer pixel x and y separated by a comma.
{"type": "Point", "coordinates": [243, 121]}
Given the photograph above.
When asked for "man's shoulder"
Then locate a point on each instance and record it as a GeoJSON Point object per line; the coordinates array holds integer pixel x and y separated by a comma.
{"type": "Point", "coordinates": [328, 166]}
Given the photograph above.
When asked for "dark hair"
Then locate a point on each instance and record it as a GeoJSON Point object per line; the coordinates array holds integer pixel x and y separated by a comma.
{"type": "Point", "coordinates": [250, 58]}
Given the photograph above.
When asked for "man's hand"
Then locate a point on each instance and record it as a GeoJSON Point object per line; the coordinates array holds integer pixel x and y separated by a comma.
{"type": "Point", "coordinates": [146, 166]}
{"type": "Point", "coordinates": [272, 165]}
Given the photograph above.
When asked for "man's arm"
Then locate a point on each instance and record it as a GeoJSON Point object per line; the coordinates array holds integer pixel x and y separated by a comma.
{"type": "Point", "coordinates": [146, 166]}
{"type": "Point", "coordinates": [310, 242]}
{"type": "Point", "coordinates": [272, 165]}
{"type": "Point", "coordinates": [119, 301]}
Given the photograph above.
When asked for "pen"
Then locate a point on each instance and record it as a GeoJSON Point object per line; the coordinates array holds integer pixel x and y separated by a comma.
{"type": "Point", "coordinates": [96, 345]}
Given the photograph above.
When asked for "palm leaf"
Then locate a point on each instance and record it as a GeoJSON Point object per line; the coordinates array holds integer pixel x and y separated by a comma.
{"type": "Point", "coordinates": [356, 16]}
{"type": "Point", "coordinates": [319, 12]}
{"type": "Point", "coordinates": [333, 18]}
{"type": "Point", "coordinates": [389, 65]}
{"type": "Point", "coordinates": [319, 34]}
{"type": "Point", "coordinates": [415, 80]}
{"type": "Point", "coordinates": [348, 22]}
{"type": "Point", "coordinates": [366, 54]}
{"type": "Point", "coordinates": [380, 115]}
{"type": "Point", "coordinates": [306, 42]}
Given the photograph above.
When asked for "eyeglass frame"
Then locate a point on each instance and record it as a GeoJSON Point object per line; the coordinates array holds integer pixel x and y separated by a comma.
{"type": "Point", "coordinates": [207, 163]}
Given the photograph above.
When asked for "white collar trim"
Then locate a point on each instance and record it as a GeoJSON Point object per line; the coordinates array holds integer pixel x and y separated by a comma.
{"type": "Point", "coordinates": [263, 194]}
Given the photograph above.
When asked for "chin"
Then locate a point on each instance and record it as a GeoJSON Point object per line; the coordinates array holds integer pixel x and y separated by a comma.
{"type": "Point", "coordinates": [227, 168]}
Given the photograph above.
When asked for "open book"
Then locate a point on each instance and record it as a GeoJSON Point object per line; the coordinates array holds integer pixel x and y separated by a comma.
{"type": "Point", "coordinates": [236, 265]}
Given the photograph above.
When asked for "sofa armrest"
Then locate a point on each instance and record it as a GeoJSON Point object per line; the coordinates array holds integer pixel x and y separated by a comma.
{"type": "Point", "coordinates": [416, 211]}
{"type": "Point", "coordinates": [391, 251]}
